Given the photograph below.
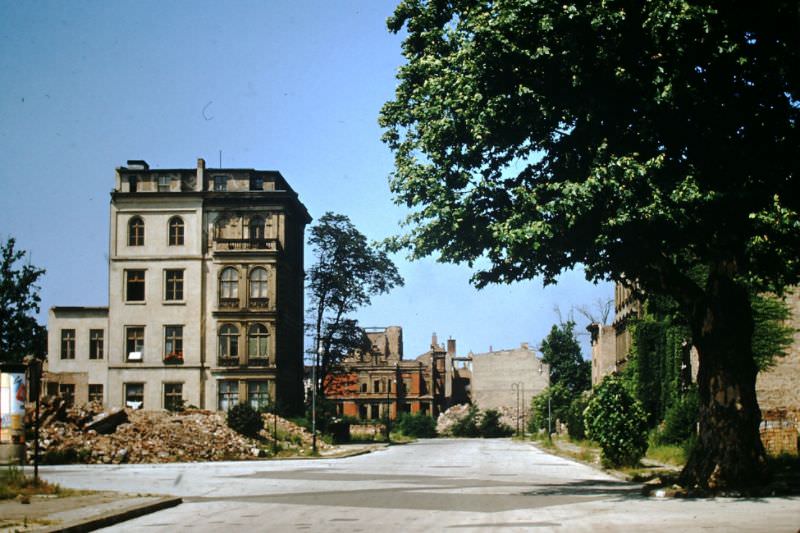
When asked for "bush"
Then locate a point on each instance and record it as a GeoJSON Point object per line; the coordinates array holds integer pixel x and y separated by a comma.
{"type": "Point", "coordinates": [418, 425]}
{"type": "Point", "coordinates": [490, 426]}
{"type": "Point", "coordinates": [575, 422]}
{"type": "Point", "coordinates": [680, 421]}
{"type": "Point", "coordinates": [467, 426]}
{"type": "Point", "coordinates": [560, 399]}
{"type": "Point", "coordinates": [617, 422]}
{"type": "Point", "coordinates": [245, 420]}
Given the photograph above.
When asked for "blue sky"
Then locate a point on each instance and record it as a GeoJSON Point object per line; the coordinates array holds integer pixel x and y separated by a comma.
{"type": "Point", "coordinates": [294, 86]}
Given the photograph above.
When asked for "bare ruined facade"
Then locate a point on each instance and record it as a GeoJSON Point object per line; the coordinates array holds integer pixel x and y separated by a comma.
{"type": "Point", "coordinates": [205, 295]}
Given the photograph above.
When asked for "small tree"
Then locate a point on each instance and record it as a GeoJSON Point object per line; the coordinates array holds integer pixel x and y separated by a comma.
{"type": "Point", "coordinates": [561, 351]}
{"type": "Point", "coordinates": [617, 422]}
{"type": "Point", "coordinates": [490, 426]}
{"type": "Point", "coordinates": [245, 420]}
{"type": "Point", "coordinates": [20, 335]}
{"type": "Point", "coordinates": [417, 425]}
{"type": "Point", "coordinates": [346, 274]}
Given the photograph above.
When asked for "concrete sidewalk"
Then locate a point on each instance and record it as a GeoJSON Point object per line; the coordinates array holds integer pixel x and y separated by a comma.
{"type": "Point", "coordinates": [78, 513]}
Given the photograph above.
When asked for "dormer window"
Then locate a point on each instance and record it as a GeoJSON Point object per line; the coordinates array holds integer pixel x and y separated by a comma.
{"type": "Point", "coordinates": [220, 183]}
{"type": "Point", "coordinates": [163, 183]}
{"type": "Point", "coordinates": [256, 183]}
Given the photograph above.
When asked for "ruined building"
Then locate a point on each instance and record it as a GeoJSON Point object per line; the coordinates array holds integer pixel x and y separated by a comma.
{"type": "Point", "coordinates": [205, 295]}
{"type": "Point", "coordinates": [368, 385]}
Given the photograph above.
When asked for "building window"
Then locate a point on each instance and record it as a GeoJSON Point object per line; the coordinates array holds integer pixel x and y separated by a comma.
{"type": "Point", "coordinates": [67, 344]}
{"type": "Point", "coordinates": [173, 344]}
{"type": "Point", "coordinates": [257, 345]}
{"type": "Point", "coordinates": [376, 386]}
{"type": "Point", "coordinates": [220, 183]}
{"type": "Point", "coordinates": [95, 344]}
{"type": "Point", "coordinates": [134, 395]}
{"type": "Point", "coordinates": [67, 391]}
{"type": "Point", "coordinates": [134, 285]}
{"type": "Point", "coordinates": [163, 183]}
{"type": "Point", "coordinates": [132, 183]}
{"type": "Point", "coordinates": [362, 411]}
{"type": "Point", "coordinates": [173, 283]}
{"type": "Point", "coordinates": [256, 183]}
{"type": "Point", "coordinates": [363, 387]}
{"type": "Point", "coordinates": [173, 396]}
{"type": "Point", "coordinates": [176, 231]}
{"type": "Point", "coordinates": [228, 394]}
{"type": "Point", "coordinates": [258, 287]}
{"type": "Point", "coordinates": [228, 345]}
{"type": "Point", "coordinates": [136, 231]}
{"type": "Point", "coordinates": [134, 343]}
{"type": "Point", "coordinates": [256, 229]}
{"type": "Point", "coordinates": [258, 395]}
{"type": "Point", "coordinates": [96, 393]}
{"type": "Point", "coordinates": [229, 288]}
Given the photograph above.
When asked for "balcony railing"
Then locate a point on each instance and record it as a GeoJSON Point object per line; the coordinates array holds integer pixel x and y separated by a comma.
{"type": "Point", "coordinates": [258, 361]}
{"type": "Point", "coordinates": [258, 303]}
{"type": "Point", "coordinates": [228, 361]}
{"type": "Point", "coordinates": [246, 244]}
{"type": "Point", "coordinates": [229, 303]}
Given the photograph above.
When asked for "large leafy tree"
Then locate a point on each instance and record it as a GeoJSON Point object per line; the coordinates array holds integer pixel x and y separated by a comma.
{"type": "Point", "coordinates": [561, 351]}
{"type": "Point", "coordinates": [639, 139]}
{"type": "Point", "coordinates": [20, 335]}
{"type": "Point", "coordinates": [347, 272]}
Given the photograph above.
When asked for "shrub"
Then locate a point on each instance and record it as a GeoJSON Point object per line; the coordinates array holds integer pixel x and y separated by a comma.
{"type": "Point", "coordinates": [617, 422]}
{"type": "Point", "coordinates": [680, 421]}
{"type": "Point", "coordinates": [575, 422]}
{"type": "Point", "coordinates": [467, 426]}
{"type": "Point", "coordinates": [245, 420]}
{"type": "Point", "coordinates": [560, 398]}
{"type": "Point", "coordinates": [490, 426]}
{"type": "Point", "coordinates": [418, 425]}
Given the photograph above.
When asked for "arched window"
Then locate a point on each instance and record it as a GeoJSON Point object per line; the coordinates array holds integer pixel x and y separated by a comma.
{"type": "Point", "coordinates": [258, 287]}
{"type": "Point", "coordinates": [228, 344]}
{"type": "Point", "coordinates": [136, 231]}
{"type": "Point", "coordinates": [257, 343]}
{"type": "Point", "coordinates": [256, 229]}
{"type": "Point", "coordinates": [176, 231]}
{"type": "Point", "coordinates": [229, 287]}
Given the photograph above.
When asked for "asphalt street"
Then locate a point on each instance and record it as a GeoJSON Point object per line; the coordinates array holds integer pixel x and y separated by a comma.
{"type": "Point", "coordinates": [430, 485]}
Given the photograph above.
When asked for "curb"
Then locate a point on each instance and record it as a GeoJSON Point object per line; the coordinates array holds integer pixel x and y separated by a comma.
{"type": "Point", "coordinates": [109, 519]}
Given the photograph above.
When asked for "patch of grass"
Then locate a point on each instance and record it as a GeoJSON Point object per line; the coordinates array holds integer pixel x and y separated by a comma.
{"type": "Point", "coordinates": [671, 454]}
{"type": "Point", "coordinates": [13, 483]}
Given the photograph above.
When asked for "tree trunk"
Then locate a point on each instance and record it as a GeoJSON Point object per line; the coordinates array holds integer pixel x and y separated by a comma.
{"type": "Point", "coordinates": [729, 453]}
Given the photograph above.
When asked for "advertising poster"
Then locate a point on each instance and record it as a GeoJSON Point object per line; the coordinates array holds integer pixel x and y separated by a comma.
{"type": "Point", "coordinates": [12, 407]}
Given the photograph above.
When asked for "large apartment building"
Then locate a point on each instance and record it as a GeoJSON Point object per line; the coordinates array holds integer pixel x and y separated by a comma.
{"type": "Point", "coordinates": [205, 295]}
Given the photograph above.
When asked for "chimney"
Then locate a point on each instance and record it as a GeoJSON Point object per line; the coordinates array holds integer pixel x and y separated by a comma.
{"type": "Point", "coordinates": [434, 341]}
{"type": "Point", "coordinates": [451, 347]}
{"type": "Point", "coordinates": [201, 170]}
{"type": "Point", "coordinates": [524, 346]}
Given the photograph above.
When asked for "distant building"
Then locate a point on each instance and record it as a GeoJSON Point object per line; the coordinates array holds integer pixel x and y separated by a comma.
{"type": "Point", "coordinates": [205, 295]}
{"type": "Point", "coordinates": [368, 385]}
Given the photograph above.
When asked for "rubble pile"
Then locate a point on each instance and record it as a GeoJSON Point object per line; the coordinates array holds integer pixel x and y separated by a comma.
{"type": "Point", "coordinates": [448, 418]}
{"type": "Point", "coordinates": [87, 434]}
{"type": "Point", "coordinates": [289, 433]}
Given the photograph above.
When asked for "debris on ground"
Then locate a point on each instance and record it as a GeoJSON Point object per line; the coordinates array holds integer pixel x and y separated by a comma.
{"type": "Point", "coordinates": [89, 434]}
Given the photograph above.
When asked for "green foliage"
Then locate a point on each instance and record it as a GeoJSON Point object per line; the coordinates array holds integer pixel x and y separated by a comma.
{"type": "Point", "coordinates": [561, 351]}
{"type": "Point", "coordinates": [617, 422]}
{"type": "Point", "coordinates": [417, 425]}
{"type": "Point", "coordinates": [575, 422]}
{"type": "Point", "coordinates": [20, 335]}
{"type": "Point", "coordinates": [347, 272]}
{"type": "Point", "coordinates": [560, 399]}
{"type": "Point", "coordinates": [245, 420]}
{"type": "Point", "coordinates": [680, 421]}
{"type": "Point", "coordinates": [772, 335]}
{"type": "Point", "coordinates": [490, 426]}
{"type": "Point", "coordinates": [467, 426]}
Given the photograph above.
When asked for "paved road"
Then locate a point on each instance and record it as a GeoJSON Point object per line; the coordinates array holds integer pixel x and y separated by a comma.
{"type": "Point", "coordinates": [434, 485]}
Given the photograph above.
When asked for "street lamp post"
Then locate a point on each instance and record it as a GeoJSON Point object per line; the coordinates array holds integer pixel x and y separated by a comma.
{"type": "Point", "coordinates": [549, 395]}
{"type": "Point", "coordinates": [317, 357]}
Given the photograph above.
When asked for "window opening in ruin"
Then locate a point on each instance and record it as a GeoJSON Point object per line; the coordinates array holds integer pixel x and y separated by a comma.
{"type": "Point", "coordinates": [220, 183]}
{"type": "Point", "coordinates": [134, 343]}
{"type": "Point", "coordinates": [163, 183]}
{"type": "Point", "coordinates": [376, 386]}
{"type": "Point", "coordinates": [176, 231]}
{"type": "Point", "coordinates": [134, 395]}
{"type": "Point", "coordinates": [256, 229]}
{"type": "Point", "coordinates": [132, 182]}
{"type": "Point", "coordinates": [136, 231]}
{"type": "Point", "coordinates": [258, 395]}
{"type": "Point", "coordinates": [173, 396]}
{"type": "Point", "coordinates": [228, 394]}
{"type": "Point", "coordinates": [96, 392]}
{"type": "Point", "coordinates": [67, 391]}
{"type": "Point", "coordinates": [95, 344]}
{"type": "Point", "coordinates": [174, 285]}
{"type": "Point", "coordinates": [67, 344]}
{"type": "Point", "coordinates": [256, 183]}
{"type": "Point", "coordinates": [134, 285]}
